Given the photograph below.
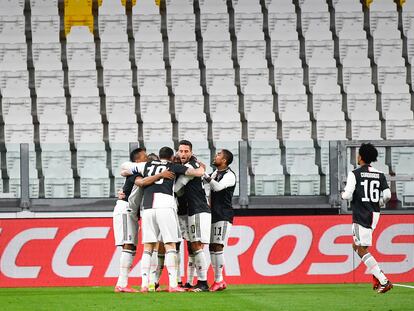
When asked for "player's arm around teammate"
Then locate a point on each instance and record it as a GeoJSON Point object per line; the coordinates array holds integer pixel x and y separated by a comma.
{"type": "Point", "coordinates": [199, 216]}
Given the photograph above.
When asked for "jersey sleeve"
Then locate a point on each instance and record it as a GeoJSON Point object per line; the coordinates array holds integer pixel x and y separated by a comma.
{"type": "Point", "coordinates": [383, 182]}
{"type": "Point", "coordinates": [179, 169]}
{"type": "Point", "coordinates": [133, 167]}
{"type": "Point", "coordinates": [350, 187]}
{"type": "Point", "coordinates": [228, 180]}
{"type": "Point", "coordinates": [386, 192]}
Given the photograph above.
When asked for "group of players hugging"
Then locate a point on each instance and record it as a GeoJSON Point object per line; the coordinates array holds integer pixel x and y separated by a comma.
{"type": "Point", "coordinates": [166, 191]}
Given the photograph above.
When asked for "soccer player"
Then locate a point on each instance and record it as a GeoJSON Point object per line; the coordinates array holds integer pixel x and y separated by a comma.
{"type": "Point", "coordinates": [364, 187]}
{"type": "Point", "coordinates": [125, 221]}
{"type": "Point", "coordinates": [199, 217]}
{"type": "Point", "coordinates": [222, 183]}
{"type": "Point", "coordinates": [159, 215]}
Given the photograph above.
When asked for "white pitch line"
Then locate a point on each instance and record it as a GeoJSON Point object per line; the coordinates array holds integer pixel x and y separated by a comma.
{"type": "Point", "coordinates": [402, 285]}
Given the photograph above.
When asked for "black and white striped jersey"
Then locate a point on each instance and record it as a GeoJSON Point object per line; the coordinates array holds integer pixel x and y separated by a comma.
{"type": "Point", "coordinates": [222, 187]}
{"type": "Point", "coordinates": [365, 186]}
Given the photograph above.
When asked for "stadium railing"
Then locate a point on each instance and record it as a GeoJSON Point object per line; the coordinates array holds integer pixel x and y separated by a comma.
{"type": "Point", "coordinates": [342, 158]}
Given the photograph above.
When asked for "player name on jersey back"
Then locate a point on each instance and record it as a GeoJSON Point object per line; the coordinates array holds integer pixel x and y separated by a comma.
{"type": "Point", "coordinates": [370, 175]}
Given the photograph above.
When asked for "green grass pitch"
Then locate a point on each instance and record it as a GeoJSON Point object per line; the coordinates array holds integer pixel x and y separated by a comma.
{"type": "Point", "coordinates": [332, 297]}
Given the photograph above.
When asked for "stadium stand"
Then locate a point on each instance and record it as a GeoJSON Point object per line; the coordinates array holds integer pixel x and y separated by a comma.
{"type": "Point", "coordinates": [80, 79]}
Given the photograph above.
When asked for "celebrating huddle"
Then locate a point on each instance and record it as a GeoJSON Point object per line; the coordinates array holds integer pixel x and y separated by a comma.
{"type": "Point", "coordinates": [168, 193]}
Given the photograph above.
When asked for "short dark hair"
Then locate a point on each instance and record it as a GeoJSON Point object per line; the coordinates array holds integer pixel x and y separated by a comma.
{"type": "Point", "coordinates": [134, 154]}
{"type": "Point", "coordinates": [368, 153]}
{"type": "Point", "coordinates": [227, 155]}
{"type": "Point", "coordinates": [186, 143]}
{"type": "Point", "coordinates": [153, 157]}
{"type": "Point", "coordinates": [166, 153]}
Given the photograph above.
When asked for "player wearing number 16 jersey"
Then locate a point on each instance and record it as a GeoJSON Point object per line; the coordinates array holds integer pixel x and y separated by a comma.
{"type": "Point", "coordinates": [364, 187]}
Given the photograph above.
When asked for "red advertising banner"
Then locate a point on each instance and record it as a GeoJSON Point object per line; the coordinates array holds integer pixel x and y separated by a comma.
{"type": "Point", "coordinates": [266, 250]}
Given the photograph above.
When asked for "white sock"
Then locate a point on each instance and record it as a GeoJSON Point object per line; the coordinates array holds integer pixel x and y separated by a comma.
{"type": "Point", "coordinates": [178, 267]}
{"type": "Point", "coordinates": [160, 266]}
{"type": "Point", "coordinates": [190, 269]}
{"type": "Point", "coordinates": [145, 268]}
{"type": "Point", "coordinates": [213, 259]}
{"type": "Point", "coordinates": [218, 269]}
{"type": "Point", "coordinates": [201, 265]}
{"type": "Point", "coordinates": [373, 267]}
{"type": "Point", "coordinates": [125, 262]}
{"type": "Point", "coordinates": [153, 267]}
{"type": "Point", "coordinates": [170, 262]}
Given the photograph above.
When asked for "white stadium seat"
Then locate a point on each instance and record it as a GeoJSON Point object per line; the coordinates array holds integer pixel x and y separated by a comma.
{"type": "Point", "coordinates": [268, 172]}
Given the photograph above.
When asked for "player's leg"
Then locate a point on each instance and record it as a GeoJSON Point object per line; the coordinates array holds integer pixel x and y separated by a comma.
{"type": "Point", "coordinates": [200, 228]}
{"type": "Point", "coordinates": [178, 246]}
{"type": "Point", "coordinates": [125, 224]}
{"type": "Point", "coordinates": [155, 274]}
{"type": "Point", "coordinates": [183, 224]}
{"type": "Point", "coordinates": [153, 268]}
{"type": "Point", "coordinates": [168, 224]}
{"type": "Point", "coordinates": [150, 232]}
{"type": "Point", "coordinates": [362, 240]}
{"type": "Point", "coordinates": [191, 269]}
{"type": "Point", "coordinates": [219, 236]}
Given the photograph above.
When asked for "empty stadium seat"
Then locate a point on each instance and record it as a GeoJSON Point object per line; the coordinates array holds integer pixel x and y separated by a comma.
{"type": "Point", "coordinates": [85, 110]}
{"type": "Point", "coordinates": [11, 7]}
{"type": "Point", "coordinates": [189, 108]}
{"type": "Point", "coordinates": [213, 6]}
{"type": "Point", "coordinates": [46, 56]}
{"type": "Point", "coordinates": [94, 175]}
{"type": "Point", "coordinates": [44, 7]}
{"type": "Point", "coordinates": [196, 130]}
{"type": "Point", "coordinates": [282, 27]}
{"type": "Point", "coordinates": [54, 132]}
{"type": "Point", "coordinates": [149, 55]}
{"type": "Point", "coordinates": [147, 28]}
{"type": "Point", "coordinates": [120, 109]}
{"type": "Point", "coordinates": [215, 27]}
{"type": "Point", "coordinates": [123, 132]}
{"type": "Point", "coordinates": [280, 6]}
{"type": "Point", "coordinates": [45, 29]}
{"type": "Point", "coordinates": [249, 26]}
{"type": "Point", "coordinates": [268, 172]}
{"type": "Point", "coordinates": [57, 171]}
{"type": "Point", "coordinates": [111, 7]}
{"type": "Point", "coordinates": [217, 54]}
{"type": "Point", "coordinates": [13, 57]}
{"type": "Point", "coordinates": [51, 110]}
{"type": "Point", "coordinates": [12, 29]}
{"type": "Point", "coordinates": [13, 169]}
{"type": "Point", "coordinates": [262, 130]}
{"type": "Point", "coordinates": [300, 165]}
{"type": "Point", "coordinates": [181, 27]}
{"type": "Point", "coordinates": [383, 10]}
{"type": "Point", "coordinates": [118, 83]}
{"type": "Point", "coordinates": [145, 7]}
{"type": "Point", "coordinates": [155, 108]}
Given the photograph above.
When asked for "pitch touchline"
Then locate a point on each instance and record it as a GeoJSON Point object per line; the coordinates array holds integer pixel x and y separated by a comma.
{"type": "Point", "coordinates": [402, 285]}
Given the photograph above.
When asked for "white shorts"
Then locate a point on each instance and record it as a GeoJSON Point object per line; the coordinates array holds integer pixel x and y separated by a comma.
{"type": "Point", "coordinates": [220, 232]}
{"type": "Point", "coordinates": [362, 236]}
{"type": "Point", "coordinates": [125, 223]}
{"type": "Point", "coordinates": [199, 227]}
{"type": "Point", "coordinates": [183, 224]}
{"type": "Point", "coordinates": [158, 222]}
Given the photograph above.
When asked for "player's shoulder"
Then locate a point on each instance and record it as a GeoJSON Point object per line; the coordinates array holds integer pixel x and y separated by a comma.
{"type": "Point", "coordinates": [230, 171]}
{"type": "Point", "coordinates": [374, 170]}
{"type": "Point", "coordinates": [193, 163]}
